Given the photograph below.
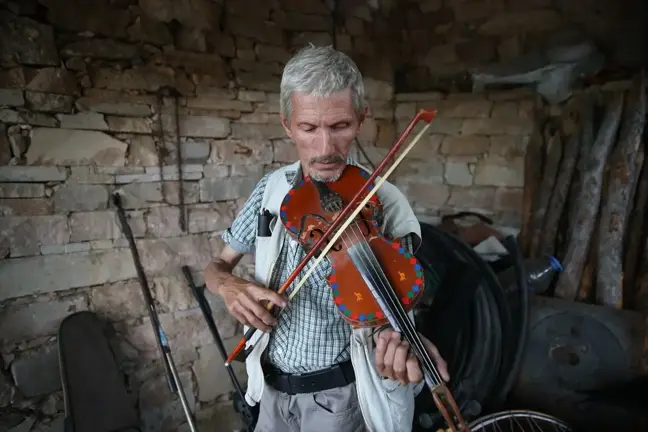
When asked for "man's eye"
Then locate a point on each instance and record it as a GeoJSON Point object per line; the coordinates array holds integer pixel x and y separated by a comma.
{"type": "Point", "coordinates": [307, 128]}
{"type": "Point", "coordinates": [341, 126]}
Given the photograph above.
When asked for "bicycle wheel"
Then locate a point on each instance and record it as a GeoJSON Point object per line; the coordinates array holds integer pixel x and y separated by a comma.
{"type": "Point", "coordinates": [519, 421]}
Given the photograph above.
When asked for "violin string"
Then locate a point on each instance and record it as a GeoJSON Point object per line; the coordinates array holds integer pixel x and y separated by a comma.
{"type": "Point", "coordinates": [396, 306]}
{"type": "Point", "coordinates": [391, 301]}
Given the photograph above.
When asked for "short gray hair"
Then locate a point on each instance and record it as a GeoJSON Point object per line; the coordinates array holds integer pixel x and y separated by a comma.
{"type": "Point", "coordinates": [320, 71]}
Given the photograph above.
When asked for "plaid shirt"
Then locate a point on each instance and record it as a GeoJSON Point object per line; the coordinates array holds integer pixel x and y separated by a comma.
{"type": "Point", "coordinates": [310, 333]}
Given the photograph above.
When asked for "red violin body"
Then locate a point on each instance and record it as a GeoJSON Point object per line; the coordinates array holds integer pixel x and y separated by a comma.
{"type": "Point", "coordinates": [307, 212]}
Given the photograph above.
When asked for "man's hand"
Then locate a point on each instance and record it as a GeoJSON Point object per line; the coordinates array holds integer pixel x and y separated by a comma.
{"type": "Point", "coordinates": [243, 298]}
{"type": "Point", "coordinates": [395, 361]}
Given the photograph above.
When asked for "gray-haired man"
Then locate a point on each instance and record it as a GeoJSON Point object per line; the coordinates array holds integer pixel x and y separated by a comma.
{"type": "Point", "coordinates": [309, 369]}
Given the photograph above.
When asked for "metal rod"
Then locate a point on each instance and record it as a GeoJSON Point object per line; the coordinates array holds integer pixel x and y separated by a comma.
{"type": "Point", "coordinates": [163, 344]}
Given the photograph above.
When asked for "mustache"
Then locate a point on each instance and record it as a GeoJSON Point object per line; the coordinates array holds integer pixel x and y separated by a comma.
{"type": "Point", "coordinates": [327, 159]}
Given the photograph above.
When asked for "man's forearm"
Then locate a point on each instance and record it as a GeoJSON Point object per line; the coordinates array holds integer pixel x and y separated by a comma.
{"type": "Point", "coordinates": [218, 274]}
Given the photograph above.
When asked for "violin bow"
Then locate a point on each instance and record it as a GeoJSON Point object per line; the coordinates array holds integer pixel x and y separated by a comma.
{"type": "Point", "coordinates": [425, 115]}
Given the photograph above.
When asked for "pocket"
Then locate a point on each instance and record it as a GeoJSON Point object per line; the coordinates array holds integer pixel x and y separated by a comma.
{"type": "Point", "coordinates": [339, 402]}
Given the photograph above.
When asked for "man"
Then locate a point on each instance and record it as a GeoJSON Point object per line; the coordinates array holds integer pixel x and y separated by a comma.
{"type": "Point", "coordinates": [309, 370]}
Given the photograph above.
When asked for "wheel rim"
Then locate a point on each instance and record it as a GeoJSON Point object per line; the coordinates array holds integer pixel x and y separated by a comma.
{"type": "Point", "coordinates": [519, 421]}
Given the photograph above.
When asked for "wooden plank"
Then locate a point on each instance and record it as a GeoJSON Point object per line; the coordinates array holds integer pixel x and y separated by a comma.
{"type": "Point", "coordinates": [588, 202]}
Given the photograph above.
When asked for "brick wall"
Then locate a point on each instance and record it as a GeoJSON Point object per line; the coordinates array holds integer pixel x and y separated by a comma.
{"type": "Point", "coordinates": [87, 108]}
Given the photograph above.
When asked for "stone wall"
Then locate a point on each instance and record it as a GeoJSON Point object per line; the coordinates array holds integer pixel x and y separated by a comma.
{"type": "Point", "coordinates": [96, 97]}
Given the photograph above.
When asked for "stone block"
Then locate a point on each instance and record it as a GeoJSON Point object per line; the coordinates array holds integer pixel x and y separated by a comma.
{"type": "Point", "coordinates": [115, 108]}
{"type": "Point", "coordinates": [458, 174]}
{"type": "Point", "coordinates": [242, 152]}
{"type": "Point", "coordinates": [83, 120]}
{"type": "Point", "coordinates": [26, 41]}
{"type": "Point", "coordinates": [80, 16]}
{"type": "Point", "coordinates": [103, 225]}
{"type": "Point", "coordinates": [306, 6]}
{"type": "Point", "coordinates": [508, 110]}
{"type": "Point", "coordinates": [169, 296]}
{"type": "Point", "coordinates": [224, 189]}
{"type": "Point", "coordinates": [25, 207]}
{"type": "Point", "coordinates": [498, 172]}
{"type": "Point", "coordinates": [471, 198]}
{"type": "Point", "coordinates": [21, 190]}
{"type": "Point", "coordinates": [496, 126]}
{"type": "Point", "coordinates": [163, 222]}
{"type": "Point", "coordinates": [253, 131]}
{"type": "Point", "coordinates": [101, 49]}
{"type": "Point", "coordinates": [129, 124]}
{"type": "Point", "coordinates": [142, 151]}
{"type": "Point", "coordinates": [213, 381]}
{"type": "Point", "coordinates": [74, 147]}
{"type": "Point", "coordinates": [90, 268]}
{"type": "Point", "coordinates": [258, 81]}
{"type": "Point", "coordinates": [256, 29]}
{"type": "Point", "coordinates": [424, 195]}
{"type": "Point", "coordinates": [64, 248]}
{"type": "Point", "coordinates": [199, 14]}
{"type": "Point", "coordinates": [13, 78]}
{"type": "Point", "coordinates": [159, 411]}
{"type": "Point", "coordinates": [209, 102]}
{"type": "Point", "coordinates": [275, 54]}
{"type": "Point", "coordinates": [118, 301]}
{"type": "Point", "coordinates": [379, 90]}
{"type": "Point", "coordinates": [220, 416]}
{"type": "Point", "coordinates": [89, 175]}
{"type": "Point", "coordinates": [512, 23]}
{"type": "Point", "coordinates": [191, 39]}
{"type": "Point", "coordinates": [141, 195]}
{"type": "Point", "coordinates": [149, 78]}
{"type": "Point", "coordinates": [418, 97]}
{"type": "Point", "coordinates": [251, 96]}
{"type": "Point", "coordinates": [210, 218]}
{"type": "Point", "coordinates": [508, 199]}
{"type": "Point", "coordinates": [167, 255]}
{"type": "Point", "coordinates": [55, 80]}
{"type": "Point", "coordinates": [37, 318]}
{"type": "Point", "coordinates": [508, 146]}
{"type": "Point", "coordinates": [26, 234]}
{"type": "Point", "coordinates": [26, 117]}
{"type": "Point", "coordinates": [12, 97]}
{"type": "Point", "coordinates": [26, 174]}
{"type": "Point", "coordinates": [147, 29]}
{"type": "Point", "coordinates": [284, 151]}
{"type": "Point", "coordinates": [204, 127]}
{"type": "Point", "coordinates": [465, 145]}
{"type": "Point", "coordinates": [82, 197]}
{"type": "Point", "coordinates": [48, 102]}
{"type": "Point", "coordinates": [37, 374]}
{"type": "Point", "coordinates": [478, 108]}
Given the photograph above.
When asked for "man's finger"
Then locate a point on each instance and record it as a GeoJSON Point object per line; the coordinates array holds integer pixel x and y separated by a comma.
{"type": "Point", "coordinates": [258, 310]}
{"type": "Point", "coordinates": [256, 322]}
{"type": "Point", "coordinates": [400, 362]}
{"type": "Point", "coordinates": [436, 358]}
{"type": "Point", "coordinates": [414, 373]}
{"type": "Point", "coordinates": [265, 294]}
{"type": "Point", "coordinates": [392, 344]}
{"type": "Point", "coordinates": [379, 353]}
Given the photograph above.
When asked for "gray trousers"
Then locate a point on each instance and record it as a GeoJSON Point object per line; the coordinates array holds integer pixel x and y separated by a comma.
{"type": "Point", "coordinates": [334, 410]}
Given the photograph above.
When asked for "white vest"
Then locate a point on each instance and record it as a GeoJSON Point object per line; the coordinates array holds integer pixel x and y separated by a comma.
{"type": "Point", "coordinates": [387, 406]}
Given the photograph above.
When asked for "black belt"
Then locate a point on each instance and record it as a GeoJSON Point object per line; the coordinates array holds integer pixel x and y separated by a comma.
{"type": "Point", "coordinates": [338, 375]}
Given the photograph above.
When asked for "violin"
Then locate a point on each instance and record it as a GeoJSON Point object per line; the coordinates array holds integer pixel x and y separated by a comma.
{"type": "Point", "coordinates": [374, 280]}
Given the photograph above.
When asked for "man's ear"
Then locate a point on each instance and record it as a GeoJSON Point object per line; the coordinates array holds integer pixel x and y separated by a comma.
{"type": "Point", "coordinates": [363, 115]}
{"type": "Point", "coordinates": [286, 125]}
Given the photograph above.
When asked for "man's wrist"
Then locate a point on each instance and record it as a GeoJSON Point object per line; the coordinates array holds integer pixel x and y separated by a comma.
{"type": "Point", "coordinates": [218, 274]}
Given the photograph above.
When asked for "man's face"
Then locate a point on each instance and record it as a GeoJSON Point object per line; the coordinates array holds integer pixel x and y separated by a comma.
{"type": "Point", "coordinates": [323, 130]}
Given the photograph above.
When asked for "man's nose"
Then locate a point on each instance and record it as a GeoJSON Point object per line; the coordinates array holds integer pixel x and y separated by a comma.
{"type": "Point", "coordinates": [325, 142]}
